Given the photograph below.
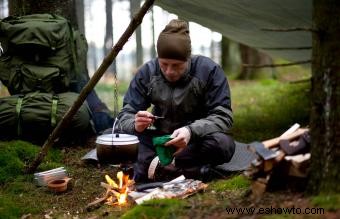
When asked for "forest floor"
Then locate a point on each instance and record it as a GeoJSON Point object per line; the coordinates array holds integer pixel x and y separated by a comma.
{"type": "Point", "coordinates": [223, 198]}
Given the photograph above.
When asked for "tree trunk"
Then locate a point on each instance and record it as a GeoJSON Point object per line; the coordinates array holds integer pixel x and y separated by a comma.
{"type": "Point", "coordinates": [2, 9]}
{"type": "Point", "coordinates": [252, 56]}
{"type": "Point", "coordinates": [153, 46]}
{"type": "Point", "coordinates": [325, 112]}
{"type": "Point", "coordinates": [225, 57]}
{"type": "Point", "coordinates": [134, 6]}
{"type": "Point", "coordinates": [248, 56]}
{"type": "Point", "coordinates": [66, 8]}
{"type": "Point", "coordinates": [108, 41]}
{"type": "Point", "coordinates": [80, 9]}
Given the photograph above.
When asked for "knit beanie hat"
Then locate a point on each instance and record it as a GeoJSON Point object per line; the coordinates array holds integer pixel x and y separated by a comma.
{"type": "Point", "coordinates": [174, 41]}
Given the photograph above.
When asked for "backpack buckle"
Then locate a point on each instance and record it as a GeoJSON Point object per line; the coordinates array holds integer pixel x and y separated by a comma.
{"type": "Point", "coordinates": [39, 84]}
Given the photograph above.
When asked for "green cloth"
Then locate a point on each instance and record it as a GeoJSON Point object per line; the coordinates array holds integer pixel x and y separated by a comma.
{"type": "Point", "coordinates": [165, 154]}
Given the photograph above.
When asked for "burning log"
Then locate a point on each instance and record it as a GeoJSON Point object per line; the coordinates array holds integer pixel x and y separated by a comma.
{"type": "Point", "coordinates": [116, 193]}
{"type": "Point", "coordinates": [109, 188]}
{"type": "Point", "coordinates": [97, 203]}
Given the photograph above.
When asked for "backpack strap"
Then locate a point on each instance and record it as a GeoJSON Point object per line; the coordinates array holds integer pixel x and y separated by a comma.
{"type": "Point", "coordinates": [18, 113]}
{"type": "Point", "coordinates": [54, 108]}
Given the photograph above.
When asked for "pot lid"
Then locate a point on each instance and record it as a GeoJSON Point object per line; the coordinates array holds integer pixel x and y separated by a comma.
{"type": "Point", "coordinates": [117, 139]}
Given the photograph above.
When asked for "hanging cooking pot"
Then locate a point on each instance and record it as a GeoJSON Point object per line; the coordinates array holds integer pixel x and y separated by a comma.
{"type": "Point", "coordinates": [117, 148]}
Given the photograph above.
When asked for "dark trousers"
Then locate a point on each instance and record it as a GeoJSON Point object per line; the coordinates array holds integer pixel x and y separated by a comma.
{"type": "Point", "coordinates": [213, 149]}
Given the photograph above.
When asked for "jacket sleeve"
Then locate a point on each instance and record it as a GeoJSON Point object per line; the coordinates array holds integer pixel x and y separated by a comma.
{"type": "Point", "coordinates": [135, 99]}
{"type": "Point", "coordinates": [219, 116]}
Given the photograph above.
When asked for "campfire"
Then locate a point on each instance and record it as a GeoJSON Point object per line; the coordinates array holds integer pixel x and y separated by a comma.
{"type": "Point", "coordinates": [116, 193]}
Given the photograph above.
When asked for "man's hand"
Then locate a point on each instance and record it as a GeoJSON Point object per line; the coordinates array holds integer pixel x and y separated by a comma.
{"type": "Point", "coordinates": [143, 119]}
{"type": "Point", "coordinates": [181, 138]}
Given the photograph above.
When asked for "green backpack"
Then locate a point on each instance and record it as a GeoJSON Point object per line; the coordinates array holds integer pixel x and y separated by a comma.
{"type": "Point", "coordinates": [41, 52]}
{"type": "Point", "coordinates": [33, 116]}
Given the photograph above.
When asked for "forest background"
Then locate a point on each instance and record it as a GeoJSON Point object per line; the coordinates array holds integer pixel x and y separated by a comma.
{"type": "Point", "coordinates": [258, 98]}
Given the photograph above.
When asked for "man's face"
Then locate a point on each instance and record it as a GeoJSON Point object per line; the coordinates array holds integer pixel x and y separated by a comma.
{"type": "Point", "coordinates": [173, 69]}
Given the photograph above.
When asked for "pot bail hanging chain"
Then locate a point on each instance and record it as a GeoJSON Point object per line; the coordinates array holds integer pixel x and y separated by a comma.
{"type": "Point", "coordinates": [115, 95]}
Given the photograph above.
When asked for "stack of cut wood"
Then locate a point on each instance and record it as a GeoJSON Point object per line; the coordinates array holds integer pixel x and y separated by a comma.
{"type": "Point", "coordinates": [290, 150]}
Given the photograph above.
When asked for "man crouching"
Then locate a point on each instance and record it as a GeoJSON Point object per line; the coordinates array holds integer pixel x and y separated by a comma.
{"type": "Point", "coordinates": [191, 111]}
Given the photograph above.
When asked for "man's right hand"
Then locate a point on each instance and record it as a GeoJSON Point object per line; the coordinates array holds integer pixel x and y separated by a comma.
{"type": "Point", "coordinates": [143, 119]}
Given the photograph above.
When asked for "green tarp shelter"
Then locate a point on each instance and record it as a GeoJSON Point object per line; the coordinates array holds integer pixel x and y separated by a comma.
{"type": "Point", "coordinates": [244, 20]}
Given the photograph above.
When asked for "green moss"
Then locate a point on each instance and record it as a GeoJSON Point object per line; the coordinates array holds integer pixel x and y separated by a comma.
{"type": "Point", "coordinates": [158, 208]}
{"type": "Point", "coordinates": [14, 155]}
{"type": "Point", "coordinates": [237, 182]}
{"type": "Point", "coordinates": [17, 201]}
{"type": "Point", "coordinates": [17, 187]}
{"type": "Point", "coordinates": [327, 202]}
{"type": "Point", "coordinates": [8, 208]}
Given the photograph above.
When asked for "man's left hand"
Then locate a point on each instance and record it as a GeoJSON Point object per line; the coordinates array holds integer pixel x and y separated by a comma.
{"type": "Point", "coordinates": [181, 138]}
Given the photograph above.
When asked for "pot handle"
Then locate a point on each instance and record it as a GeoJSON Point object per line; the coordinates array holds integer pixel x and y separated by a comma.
{"type": "Point", "coordinates": [114, 126]}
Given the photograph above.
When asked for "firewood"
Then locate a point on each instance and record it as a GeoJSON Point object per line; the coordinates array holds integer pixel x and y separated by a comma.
{"type": "Point", "coordinates": [106, 186]}
{"type": "Point", "coordinates": [275, 141]}
{"type": "Point", "coordinates": [97, 203]}
{"type": "Point", "coordinates": [298, 165]}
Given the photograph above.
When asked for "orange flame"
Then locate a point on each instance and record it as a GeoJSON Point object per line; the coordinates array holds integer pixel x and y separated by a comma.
{"type": "Point", "coordinates": [122, 197]}
{"type": "Point", "coordinates": [120, 178]}
{"type": "Point", "coordinates": [122, 187]}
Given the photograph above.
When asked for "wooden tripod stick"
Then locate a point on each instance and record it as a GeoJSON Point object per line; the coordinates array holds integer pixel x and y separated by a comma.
{"type": "Point", "coordinates": [65, 121]}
